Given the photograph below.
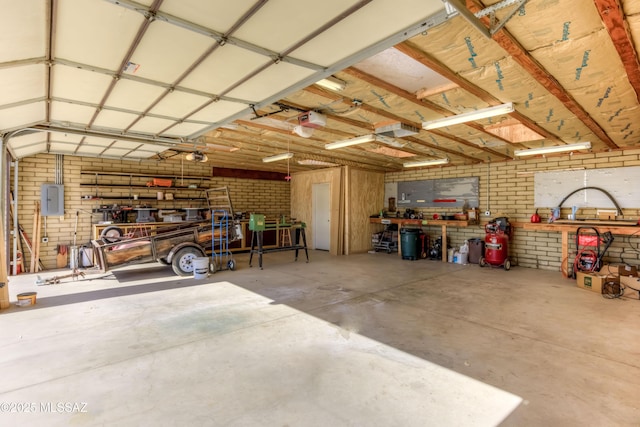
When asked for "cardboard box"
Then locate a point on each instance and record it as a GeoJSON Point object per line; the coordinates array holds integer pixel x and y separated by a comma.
{"type": "Point", "coordinates": [630, 281]}
{"type": "Point", "coordinates": [607, 215]}
{"type": "Point", "coordinates": [597, 282]}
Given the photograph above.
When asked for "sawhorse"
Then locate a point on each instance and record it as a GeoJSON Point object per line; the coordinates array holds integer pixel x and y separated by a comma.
{"type": "Point", "coordinates": [257, 239]}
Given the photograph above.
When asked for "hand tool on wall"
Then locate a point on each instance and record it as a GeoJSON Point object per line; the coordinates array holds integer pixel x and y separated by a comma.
{"type": "Point", "coordinates": [35, 256]}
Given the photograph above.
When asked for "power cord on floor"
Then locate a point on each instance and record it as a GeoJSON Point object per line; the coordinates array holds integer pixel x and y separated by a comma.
{"type": "Point", "coordinates": [612, 289]}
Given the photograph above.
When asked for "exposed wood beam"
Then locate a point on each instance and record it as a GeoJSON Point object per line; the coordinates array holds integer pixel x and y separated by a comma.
{"type": "Point", "coordinates": [321, 92]}
{"type": "Point", "coordinates": [537, 71]}
{"type": "Point", "coordinates": [442, 149]}
{"type": "Point", "coordinates": [412, 51]}
{"type": "Point", "coordinates": [427, 60]}
{"type": "Point", "coordinates": [305, 150]}
{"type": "Point", "coordinates": [426, 92]}
{"type": "Point", "coordinates": [336, 117]}
{"type": "Point", "coordinates": [613, 18]}
{"type": "Point", "coordinates": [534, 126]}
{"type": "Point", "coordinates": [419, 102]}
{"type": "Point", "coordinates": [469, 144]}
{"type": "Point", "coordinates": [378, 111]}
{"type": "Point", "coordinates": [367, 126]}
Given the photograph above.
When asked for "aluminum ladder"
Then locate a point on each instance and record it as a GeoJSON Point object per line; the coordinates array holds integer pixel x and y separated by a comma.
{"type": "Point", "coordinates": [218, 199]}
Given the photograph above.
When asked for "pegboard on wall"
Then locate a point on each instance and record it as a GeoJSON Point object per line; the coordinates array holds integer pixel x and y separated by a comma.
{"type": "Point", "coordinates": [435, 193]}
{"type": "Point", "coordinates": [621, 183]}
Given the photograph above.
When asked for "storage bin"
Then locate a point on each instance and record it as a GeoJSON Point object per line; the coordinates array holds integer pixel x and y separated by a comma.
{"type": "Point", "coordinates": [159, 182]}
{"type": "Point", "coordinates": [409, 243]}
{"type": "Point", "coordinates": [476, 250]}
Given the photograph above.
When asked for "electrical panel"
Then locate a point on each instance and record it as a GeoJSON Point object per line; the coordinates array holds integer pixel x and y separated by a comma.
{"type": "Point", "coordinates": [52, 199]}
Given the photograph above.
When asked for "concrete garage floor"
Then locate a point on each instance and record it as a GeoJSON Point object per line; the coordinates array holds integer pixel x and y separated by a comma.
{"type": "Point", "coordinates": [366, 339]}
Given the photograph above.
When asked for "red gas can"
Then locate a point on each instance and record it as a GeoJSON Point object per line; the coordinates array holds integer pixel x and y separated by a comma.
{"type": "Point", "coordinates": [496, 244]}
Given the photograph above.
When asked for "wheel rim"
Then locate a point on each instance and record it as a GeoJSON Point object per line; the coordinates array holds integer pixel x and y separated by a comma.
{"type": "Point", "coordinates": [186, 262]}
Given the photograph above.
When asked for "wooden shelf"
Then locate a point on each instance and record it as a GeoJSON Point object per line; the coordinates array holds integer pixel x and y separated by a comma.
{"type": "Point", "coordinates": [624, 229]}
{"type": "Point", "coordinates": [143, 187]}
{"type": "Point", "coordinates": [199, 199]}
{"type": "Point", "coordinates": [143, 175]}
{"type": "Point", "coordinates": [136, 184]}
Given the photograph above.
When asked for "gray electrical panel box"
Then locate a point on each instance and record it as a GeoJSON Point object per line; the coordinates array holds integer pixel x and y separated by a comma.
{"type": "Point", "coordinates": [52, 199]}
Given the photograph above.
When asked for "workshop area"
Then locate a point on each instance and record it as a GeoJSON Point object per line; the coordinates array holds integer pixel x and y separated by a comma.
{"type": "Point", "coordinates": [362, 212]}
{"type": "Point", "coordinates": [332, 342]}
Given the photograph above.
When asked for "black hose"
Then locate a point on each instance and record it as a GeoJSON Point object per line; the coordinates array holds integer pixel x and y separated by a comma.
{"type": "Point", "coordinates": [593, 188]}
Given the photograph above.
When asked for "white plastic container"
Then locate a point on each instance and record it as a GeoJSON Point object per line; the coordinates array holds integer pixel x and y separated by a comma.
{"type": "Point", "coordinates": [450, 255]}
{"type": "Point", "coordinates": [463, 258]}
{"type": "Point", "coordinates": [463, 255]}
{"type": "Point", "coordinates": [200, 267]}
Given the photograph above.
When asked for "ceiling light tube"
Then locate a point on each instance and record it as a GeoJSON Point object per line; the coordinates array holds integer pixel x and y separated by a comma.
{"type": "Point", "coordinates": [281, 156]}
{"type": "Point", "coordinates": [312, 162]}
{"type": "Point", "coordinates": [332, 83]}
{"type": "Point", "coordinates": [470, 116]}
{"type": "Point", "coordinates": [426, 163]}
{"type": "Point", "coordinates": [348, 142]}
{"type": "Point", "coordinates": [554, 149]}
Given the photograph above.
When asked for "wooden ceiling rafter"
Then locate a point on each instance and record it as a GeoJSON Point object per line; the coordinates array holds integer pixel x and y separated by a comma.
{"type": "Point", "coordinates": [411, 139]}
{"type": "Point", "coordinates": [378, 111]}
{"type": "Point", "coordinates": [368, 78]}
{"type": "Point", "coordinates": [333, 116]}
{"type": "Point", "coordinates": [612, 16]}
{"type": "Point", "coordinates": [417, 54]}
{"type": "Point", "coordinates": [336, 97]}
{"type": "Point", "coordinates": [418, 141]}
{"type": "Point", "coordinates": [353, 159]}
{"type": "Point", "coordinates": [544, 78]}
{"type": "Point", "coordinates": [470, 144]}
{"type": "Point", "coordinates": [427, 60]}
{"type": "Point", "coordinates": [442, 149]}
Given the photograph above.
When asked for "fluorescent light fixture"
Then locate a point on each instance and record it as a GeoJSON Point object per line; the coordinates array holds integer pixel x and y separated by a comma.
{"type": "Point", "coordinates": [196, 156]}
{"type": "Point", "coordinates": [281, 156]}
{"type": "Point", "coordinates": [426, 163]}
{"type": "Point", "coordinates": [332, 83]}
{"type": "Point", "coordinates": [312, 162]}
{"type": "Point", "coordinates": [470, 116]}
{"type": "Point", "coordinates": [362, 139]}
{"type": "Point", "coordinates": [348, 142]}
{"type": "Point", "coordinates": [554, 149]}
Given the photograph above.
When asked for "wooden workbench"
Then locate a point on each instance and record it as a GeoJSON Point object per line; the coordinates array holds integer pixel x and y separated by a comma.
{"type": "Point", "coordinates": [565, 227]}
{"type": "Point", "coordinates": [424, 223]}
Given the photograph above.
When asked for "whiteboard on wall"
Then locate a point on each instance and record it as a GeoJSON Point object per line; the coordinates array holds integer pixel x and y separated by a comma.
{"type": "Point", "coordinates": [620, 183]}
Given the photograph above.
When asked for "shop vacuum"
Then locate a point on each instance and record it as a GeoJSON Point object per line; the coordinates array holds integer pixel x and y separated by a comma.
{"type": "Point", "coordinates": [496, 244]}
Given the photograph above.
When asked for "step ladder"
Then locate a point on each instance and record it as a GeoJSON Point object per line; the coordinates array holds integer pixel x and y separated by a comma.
{"type": "Point", "coordinates": [218, 199]}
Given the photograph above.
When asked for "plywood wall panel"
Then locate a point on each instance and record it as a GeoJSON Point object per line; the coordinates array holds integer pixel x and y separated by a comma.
{"type": "Point", "coordinates": [365, 196]}
{"type": "Point", "coordinates": [302, 202]}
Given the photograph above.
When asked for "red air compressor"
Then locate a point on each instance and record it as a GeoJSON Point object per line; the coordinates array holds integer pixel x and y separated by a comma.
{"type": "Point", "coordinates": [496, 244]}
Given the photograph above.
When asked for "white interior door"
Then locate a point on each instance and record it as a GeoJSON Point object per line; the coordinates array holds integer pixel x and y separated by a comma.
{"type": "Point", "coordinates": [321, 216]}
